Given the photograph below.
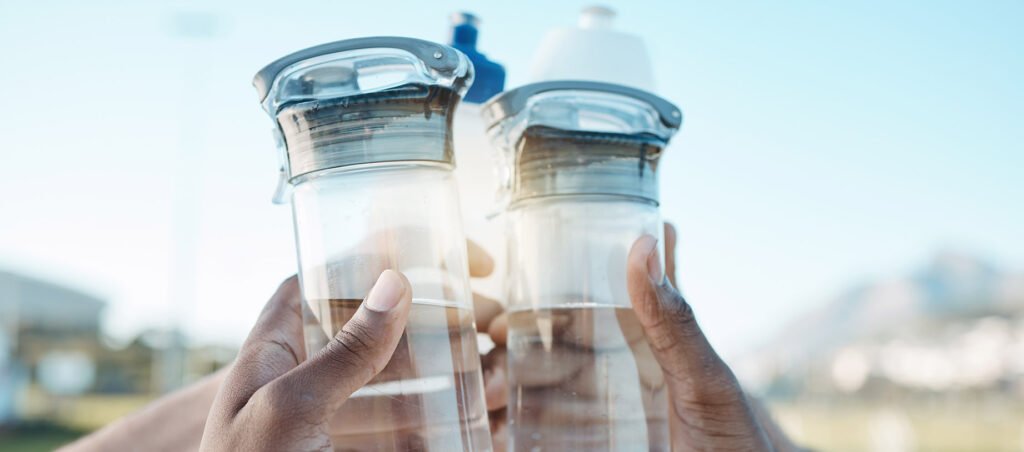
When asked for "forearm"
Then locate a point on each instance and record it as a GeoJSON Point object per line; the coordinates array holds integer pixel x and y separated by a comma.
{"type": "Point", "coordinates": [173, 422]}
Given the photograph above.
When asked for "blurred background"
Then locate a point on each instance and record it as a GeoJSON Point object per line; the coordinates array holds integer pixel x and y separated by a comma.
{"type": "Point", "coordinates": [847, 187]}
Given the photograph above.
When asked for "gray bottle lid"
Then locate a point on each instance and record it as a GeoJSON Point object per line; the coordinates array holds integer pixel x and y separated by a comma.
{"type": "Point", "coordinates": [326, 117]}
{"type": "Point", "coordinates": [438, 57]}
{"type": "Point", "coordinates": [510, 103]}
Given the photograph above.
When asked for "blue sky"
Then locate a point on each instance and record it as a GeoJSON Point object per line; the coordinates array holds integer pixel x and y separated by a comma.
{"type": "Point", "coordinates": [825, 143]}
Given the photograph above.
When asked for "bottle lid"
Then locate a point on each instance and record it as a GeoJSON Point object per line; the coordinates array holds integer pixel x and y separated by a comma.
{"type": "Point", "coordinates": [580, 138]}
{"type": "Point", "coordinates": [365, 100]}
{"type": "Point", "coordinates": [357, 66]}
{"type": "Point", "coordinates": [574, 94]}
{"type": "Point", "coordinates": [490, 76]}
{"type": "Point", "coordinates": [593, 50]}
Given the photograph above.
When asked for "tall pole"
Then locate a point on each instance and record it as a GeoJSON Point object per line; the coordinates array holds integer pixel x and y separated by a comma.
{"type": "Point", "coordinates": [194, 30]}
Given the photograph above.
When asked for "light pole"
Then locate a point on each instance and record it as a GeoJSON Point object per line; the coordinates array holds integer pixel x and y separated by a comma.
{"type": "Point", "coordinates": [194, 29]}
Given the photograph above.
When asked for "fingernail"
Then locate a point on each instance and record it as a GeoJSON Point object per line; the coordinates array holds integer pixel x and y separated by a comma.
{"type": "Point", "coordinates": [386, 293]}
{"type": "Point", "coordinates": [654, 263]}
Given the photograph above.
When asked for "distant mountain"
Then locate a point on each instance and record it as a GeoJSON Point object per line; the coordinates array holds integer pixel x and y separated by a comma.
{"type": "Point", "coordinates": [956, 283]}
{"type": "Point", "coordinates": [953, 288]}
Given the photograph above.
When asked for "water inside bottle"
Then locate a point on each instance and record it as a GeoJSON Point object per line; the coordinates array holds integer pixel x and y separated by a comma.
{"type": "Point", "coordinates": [429, 397]}
{"type": "Point", "coordinates": [584, 378]}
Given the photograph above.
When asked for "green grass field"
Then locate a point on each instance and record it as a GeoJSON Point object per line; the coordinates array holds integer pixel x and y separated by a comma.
{"type": "Point", "coordinates": [980, 426]}
{"type": "Point", "coordinates": [36, 437]}
{"type": "Point", "coordinates": [992, 426]}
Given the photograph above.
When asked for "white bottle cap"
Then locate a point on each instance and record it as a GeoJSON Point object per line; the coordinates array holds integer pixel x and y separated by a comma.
{"type": "Point", "coordinates": [593, 51]}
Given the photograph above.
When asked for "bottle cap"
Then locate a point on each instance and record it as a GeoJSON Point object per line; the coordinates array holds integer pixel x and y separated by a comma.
{"type": "Point", "coordinates": [367, 100]}
{"type": "Point", "coordinates": [593, 50]}
{"type": "Point", "coordinates": [490, 76]}
{"type": "Point", "coordinates": [580, 138]}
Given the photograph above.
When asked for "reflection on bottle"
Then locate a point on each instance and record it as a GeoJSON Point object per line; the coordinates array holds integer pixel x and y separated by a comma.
{"type": "Point", "coordinates": [584, 378]}
{"type": "Point", "coordinates": [426, 397]}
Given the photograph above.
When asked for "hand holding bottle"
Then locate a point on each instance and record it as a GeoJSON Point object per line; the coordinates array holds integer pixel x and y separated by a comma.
{"type": "Point", "coordinates": [177, 420]}
{"type": "Point", "coordinates": [708, 408]}
{"type": "Point", "coordinates": [272, 400]}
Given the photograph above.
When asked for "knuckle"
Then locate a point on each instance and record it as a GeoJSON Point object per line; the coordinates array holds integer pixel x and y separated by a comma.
{"type": "Point", "coordinates": [276, 396]}
{"type": "Point", "coordinates": [711, 384]}
{"type": "Point", "coordinates": [351, 349]}
{"type": "Point", "coordinates": [721, 383]}
{"type": "Point", "coordinates": [274, 405]}
{"type": "Point", "coordinates": [664, 344]}
{"type": "Point", "coordinates": [285, 402]}
{"type": "Point", "coordinates": [678, 312]}
{"type": "Point", "coordinates": [675, 317]}
{"type": "Point", "coordinates": [283, 346]}
{"type": "Point", "coordinates": [714, 395]}
{"type": "Point", "coordinates": [277, 409]}
{"type": "Point", "coordinates": [363, 334]}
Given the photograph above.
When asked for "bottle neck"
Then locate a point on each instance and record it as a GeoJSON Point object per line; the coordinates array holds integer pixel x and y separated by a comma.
{"type": "Point", "coordinates": [550, 162]}
{"type": "Point", "coordinates": [411, 123]}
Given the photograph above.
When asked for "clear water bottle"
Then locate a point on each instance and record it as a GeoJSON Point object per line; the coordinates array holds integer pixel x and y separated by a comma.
{"type": "Point", "coordinates": [581, 186]}
{"type": "Point", "coordinates": [364, 128]}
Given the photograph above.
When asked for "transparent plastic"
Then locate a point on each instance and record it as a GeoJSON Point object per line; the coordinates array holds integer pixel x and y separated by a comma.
{"type": "Point", "coordinates": [581, 187]}
{"type": "Point", "coordinates": [579, 110]}
{"type": "Point", "coordinates": [332, 103]}
{"type": "Point", "coordinates": [365, 133]}
{"type": "Point", "coordinates": [581, 373]}
{"type": "Point", "coordinates": [578, 142]}
{"type": "Point", "coordinates": [360, 71]}
{"type": "Point", "coordinates": [353, 223]}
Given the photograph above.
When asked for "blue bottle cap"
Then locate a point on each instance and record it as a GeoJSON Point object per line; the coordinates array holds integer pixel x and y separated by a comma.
{"type": "Point", "coordinates": [490, 76]}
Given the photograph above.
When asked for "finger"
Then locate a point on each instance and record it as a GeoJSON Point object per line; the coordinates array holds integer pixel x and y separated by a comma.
{"type": "Point", "coordinates": [480, 262]}
{"type": "Point", "coordinates": [709, 407]}
{"type": "Point", "coordinates": [670, 253]}
{"type": "Point", "coordinates": [676, 340]}
{"type": "Point", "coordinates": [356, 354]}
{"type": "Point", "coordinates": [499, 427]}
{"type": "Point", "coordinates": [498, 329]}
{"type": "Point", "coordinates": [495, 380]}
{"type": "Point", "coordinates": [485, 309]}
{"type": "Point", "coordinates": [273, 347]}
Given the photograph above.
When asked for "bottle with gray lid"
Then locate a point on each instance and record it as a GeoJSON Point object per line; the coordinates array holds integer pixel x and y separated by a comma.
{"type": "Point", "coordinates": [580, 186]}
{"type": "Point", "coordinates": [364, 132]}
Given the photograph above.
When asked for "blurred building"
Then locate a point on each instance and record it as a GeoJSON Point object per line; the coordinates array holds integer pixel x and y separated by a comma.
{"type": "Point", "coordinates": [49, 336]}
{"type": "Point", "coordinates": [38, 315]}
{"type": "Point", "coordinates": [55, 360]}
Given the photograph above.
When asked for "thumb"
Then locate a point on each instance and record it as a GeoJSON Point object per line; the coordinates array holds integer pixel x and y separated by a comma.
{"type": "Point", "coordinates": [356, 354]}
{"type": "Point", "coordinates": [692, 368]}
{"type": "Point", "coordinates": [709, 407]}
